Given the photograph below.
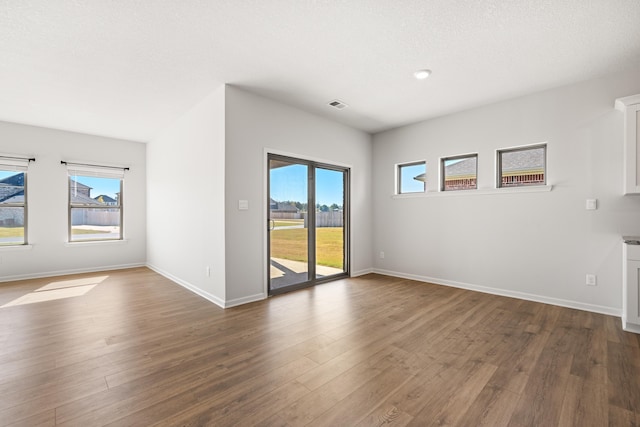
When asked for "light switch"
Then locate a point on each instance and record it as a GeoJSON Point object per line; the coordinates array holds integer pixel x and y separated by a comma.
{"type": "Point", "coordinates": [243, 205]}
{"type": "Point", "coordinates": [592, 204]}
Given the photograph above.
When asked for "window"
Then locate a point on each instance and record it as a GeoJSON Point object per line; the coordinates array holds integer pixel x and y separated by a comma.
{"type": "Point", "coordinates": [13, 201]}
{"type": "Point", "coordinates": [95, 203]}
{"type": "Point", "coordinates": [412, 177]}
{"type": "Point", "coordinates": [522, 166]}
{"type": "Point", "coordinates": [459, 172]}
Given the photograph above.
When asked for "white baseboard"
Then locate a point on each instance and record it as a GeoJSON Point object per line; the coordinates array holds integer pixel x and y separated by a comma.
{"type": "Point", "coordinates": [630, 327]}
{"type": "Point", "coordinates": [612, 311]}
{"type": "Point", "coordinates": [55, 273]}
{"type": "Point", "coordinates": [204, 294]}
{"type": "Point", "coordinates": [244, 300]}
{"type": "Point", "coordinates": [361, 272]}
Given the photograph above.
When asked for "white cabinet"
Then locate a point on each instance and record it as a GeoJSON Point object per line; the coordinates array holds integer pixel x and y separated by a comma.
{"type": "Point", "coordinates": [630, 106]}
{"type": "Point", "coordinates": [631, 289]}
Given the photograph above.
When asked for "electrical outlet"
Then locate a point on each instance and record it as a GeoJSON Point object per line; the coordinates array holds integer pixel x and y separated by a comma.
{"type": "Point", "coordinates": [381, 254]}
{"type": "Point", "coordinates": [591, 280]}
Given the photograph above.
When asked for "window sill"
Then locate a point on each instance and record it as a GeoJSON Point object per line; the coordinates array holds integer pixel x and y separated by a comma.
{"type": "Point", "coordinates": [97, 242]}
{"type": "Point", "coordinates": [479, 192]}
{"type": "Point", "coordinates": [10, 248]}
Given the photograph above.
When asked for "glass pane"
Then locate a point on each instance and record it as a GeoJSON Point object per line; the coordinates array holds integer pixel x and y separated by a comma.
{"type": "Point", "coordinates": [412, 178]}
{"type": "Point", "coordinates": [522, 167]}
{"type": "Point", "coordinates": [95, 224]}
{"type": "Point", "coordinates": [460, 173]}
{"type": "Point", "coordinates": [289, 239]}
{"type": "Point", "coordinates": [94, 221]}
{"type": "Point", "coordinates": [90, 190]}
{"type": "Point", "coordinates": [11, 187]}
{"type": "Point", "coordinates": [11, 226]}
{"type": "Point", "coordinates": [329, 222]}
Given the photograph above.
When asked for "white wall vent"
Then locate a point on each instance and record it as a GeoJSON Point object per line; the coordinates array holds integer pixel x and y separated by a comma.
{"type": "Point", "coordinates": [337, 104]}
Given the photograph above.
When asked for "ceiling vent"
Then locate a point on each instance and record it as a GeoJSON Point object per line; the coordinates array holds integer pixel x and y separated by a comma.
{"type": "Point", "coordinates": [337, 104]}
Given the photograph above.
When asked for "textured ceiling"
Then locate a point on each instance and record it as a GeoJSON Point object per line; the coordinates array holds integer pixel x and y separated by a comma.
{"type": "Point", "coordinates": [127, 68]}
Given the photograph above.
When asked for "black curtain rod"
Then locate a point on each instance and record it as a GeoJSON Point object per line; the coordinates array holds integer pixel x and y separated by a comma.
{"type": "Point", "coordinates": [93, 166]}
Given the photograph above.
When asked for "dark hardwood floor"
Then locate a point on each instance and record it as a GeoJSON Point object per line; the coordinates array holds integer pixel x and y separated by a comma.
{"type": "Point", "coordinates": [139, 350]}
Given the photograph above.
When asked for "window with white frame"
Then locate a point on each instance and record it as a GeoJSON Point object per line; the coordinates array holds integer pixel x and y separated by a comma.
{"type": "Point", "coordinates": [411, 177]}
{"type": "Point", "coordinates": [13, 201]}
{"type": "Point", "coordinates": [459, 172]}
{"type": "Point", "coordinates": [522, 166]}
{"type": "Point", "coordinates": [95, 202]}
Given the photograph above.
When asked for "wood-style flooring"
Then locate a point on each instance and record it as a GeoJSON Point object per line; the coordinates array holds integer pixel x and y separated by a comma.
{"type": "Point", "coordinates": [131, 348]}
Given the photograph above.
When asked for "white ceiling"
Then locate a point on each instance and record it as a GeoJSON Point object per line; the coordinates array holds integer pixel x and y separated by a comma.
{"type": "Point", "coordinates": [127, 68]}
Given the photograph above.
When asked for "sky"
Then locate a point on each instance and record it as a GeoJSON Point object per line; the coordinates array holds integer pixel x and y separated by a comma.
{"type": "Point", "coordinates": [407, 173]}
{"type": "Point", "coordinates": [289, 183]}
{"type": "Point", "coordinates": [5, 174]}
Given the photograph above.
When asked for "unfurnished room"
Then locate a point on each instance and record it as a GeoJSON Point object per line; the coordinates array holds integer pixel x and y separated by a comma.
{"type": "Point", "coordinates": [320, 213]}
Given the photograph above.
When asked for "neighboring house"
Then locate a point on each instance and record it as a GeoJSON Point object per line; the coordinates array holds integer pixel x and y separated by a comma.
{"type": "Point", "coordinates": [459, 176]}
{"type": "Point", "coordinates": [518, 168]}
{"type": "Point", "coordinates": [11, 194]}
{"type": "Point", "coordinates": [282, 207]}
{"type": "Point", "coordinates": [81, 194]}
{"type": "Point", "coordinates": [17, 180]}
{"type": "Point", "coordinates": [12, 191]}
{"type": "Point", "coordinates": [106, 200]}
{"type": "Point", "coordinates": [279, 210]}
{"type": "Point", "coordinates": [523, 168]}
{"type": "Point", "coordinates": [16, 198]}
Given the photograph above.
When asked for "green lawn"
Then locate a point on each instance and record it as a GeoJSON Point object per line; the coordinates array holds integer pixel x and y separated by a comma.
{"type": "Point", "coordinates": [288, 222]}
{"type": "Point", "coordinates": [292, 244]}
{"type": "Point", "coordinates": [11, 231]}
{"type": "Point", "coordinates": [83, 231]}
{"type": "Point", "coordinates": [19, 231]}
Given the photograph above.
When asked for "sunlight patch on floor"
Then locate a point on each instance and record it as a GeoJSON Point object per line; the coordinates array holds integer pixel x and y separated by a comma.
{"type": "Point", "coordinates": [60, 284]}
{"type": "Point", "coordinates": [58, 290]}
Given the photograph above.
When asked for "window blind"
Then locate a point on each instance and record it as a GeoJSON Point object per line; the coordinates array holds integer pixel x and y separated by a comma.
{"type": "Point", "coordinates": [9, 163]}
{"type": "Point", "coordinates": [99, 171]}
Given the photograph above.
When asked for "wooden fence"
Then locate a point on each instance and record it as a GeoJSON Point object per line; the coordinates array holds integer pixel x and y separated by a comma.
{"type": "Point", "coordinates": [328, 219]}
{"type": "Point", "coordinates": [286, 215]}
{"type": "Point", "coordinates": [323, 219]}
{"type": "Point", "coordinates": [95, 217]}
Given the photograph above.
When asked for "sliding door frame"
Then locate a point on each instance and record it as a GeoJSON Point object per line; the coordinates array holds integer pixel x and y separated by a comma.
{"type": "Point", "coordinates": [312, 165]}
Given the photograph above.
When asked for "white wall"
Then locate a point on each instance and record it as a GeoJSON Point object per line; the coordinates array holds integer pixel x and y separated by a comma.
{"type": "Point", "coordinates": [185, 199]}
{"type": "Point", "coordinates": [532, 245]}
{"type": "Point", "coordinates": [253, 124]}
{"type": "Point", "coordinates": [50, 254]}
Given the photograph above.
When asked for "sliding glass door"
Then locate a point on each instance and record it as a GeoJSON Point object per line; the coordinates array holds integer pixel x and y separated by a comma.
{"type": "Point", "coordinates": [329, 222]}
{"type": "Point", "coordinates": [307, 223]}
{"type": "Point", "coordinates": [288, 228]}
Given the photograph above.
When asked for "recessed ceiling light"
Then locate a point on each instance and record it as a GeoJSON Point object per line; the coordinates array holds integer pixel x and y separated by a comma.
{"type": "Point", "coordinates": [422, 74]}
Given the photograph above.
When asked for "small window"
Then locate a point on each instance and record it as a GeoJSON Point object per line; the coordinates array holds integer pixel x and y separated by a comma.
{"type": "Point", "coordinates": [459, 173]}
{"type": "Point", "coordinates": [95, 206]}
{"type": "Point", "coordinates": [522, 166]}
{"type": "Point", "coordinates": [13, 206]}
{"type": "Point", "coordinates": [412, 177]}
